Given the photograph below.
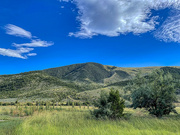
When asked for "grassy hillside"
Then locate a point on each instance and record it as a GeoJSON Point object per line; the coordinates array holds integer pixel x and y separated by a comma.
{"type": "Point", "coordinates": [80, 81]}
{"type": "Point", "coordinates": [33, 83]}
{"type": "Point", "coordinates": [81, 72]}
{"type": "Point", "coordinates": [89, 72]}
{"type": "Point", "coordinates": [67, 79]}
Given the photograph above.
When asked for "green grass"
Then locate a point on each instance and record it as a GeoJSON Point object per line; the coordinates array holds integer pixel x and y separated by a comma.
{"type": "Point", "coordinates": [78, 121]}
{"type": "Point", "coordinates": [8, 124]}
{"type": "Point", "coordinates": [8, 127]}
{"type": "Point", "coordinates": [75, 122]}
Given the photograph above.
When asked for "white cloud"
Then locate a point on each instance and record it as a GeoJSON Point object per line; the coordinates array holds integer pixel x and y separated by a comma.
{"type": "Point", "coordinates": [31, 54]}
{"type": "Point", "coordinates": [35, 43]}
{"type": "Point", "coordinates": [17, 31]}
{"type": "Point", "coordinates": [18, 53]}
{"type": "Point", "coordinates": [170, 29]}
{"type": "Point", "coordinates": [22, 50]}
{"type": "Point", "coordinates": [115, 17]}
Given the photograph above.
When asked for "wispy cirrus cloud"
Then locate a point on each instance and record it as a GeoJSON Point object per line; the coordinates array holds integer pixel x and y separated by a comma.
{"type": "Point", "coordinates": [170, 29]}
{"type": "Point", "coordinates": [31, 54]}
{"type": "Point", "coordinates": [17, 31]}
{"type": "Point", "coordinates": [22, 50]}
{"type": "Point", "coordinates": [18, 53]}
{"type": "Point", "coordinates": [116, 17]}
{"type": "Point", "coordinates": [35, 43]}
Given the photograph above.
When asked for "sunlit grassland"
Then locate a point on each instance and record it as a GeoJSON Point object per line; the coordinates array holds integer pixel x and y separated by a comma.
{"type": "Point", "coordinates": [8, 124]}
{"type": "Point", "coordinates": [79, 122]}
{"type": "Point", "coordinates": [66, 120]}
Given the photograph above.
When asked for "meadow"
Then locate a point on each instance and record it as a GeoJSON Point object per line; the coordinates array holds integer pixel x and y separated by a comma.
{"type": "Point", "coordinates": [76, 120]}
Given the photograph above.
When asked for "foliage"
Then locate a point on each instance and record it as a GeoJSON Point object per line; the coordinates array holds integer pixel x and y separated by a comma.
{"type": "Point", "coordinates": [156, 94]}
{"type": "Point", "coordinates": [109, 105]}
{"type": "Point", "coordinates": [104, 107]}
{"type": "Point", "coordinates": [175, 72]}
{"type": "Point", "coordinates": [117, 104]}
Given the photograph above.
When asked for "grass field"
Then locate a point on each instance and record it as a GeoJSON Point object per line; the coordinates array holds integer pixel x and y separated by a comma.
{"type": "Point", "coordinates": [76, 121]}
{"type": "Point", "coordinates": [9, 124]}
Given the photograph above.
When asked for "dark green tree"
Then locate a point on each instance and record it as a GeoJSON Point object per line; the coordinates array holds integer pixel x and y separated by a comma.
{"type": "Point", "coordinates": [109, 105]}
{"type": "Point", "coordinates": [117, 104]}
{"type": "Point", "coordinates": [103, 111]}
{"type": "Point", "coordinates": [156, 94]}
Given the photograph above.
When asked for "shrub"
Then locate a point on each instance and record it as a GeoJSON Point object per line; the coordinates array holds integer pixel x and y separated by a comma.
{"type": "Point", "coordinates": [4, 104]}
{"type": "Point", "coordinates": [12, 103]}
{"type": "Point", "coordinates": [29, 104]}
{"type": "Point", "coordinates": [37, 103]}
{"type": "Point", "coordinates": [109, 106]}
{"type": "Point", "coordinates": [16, 102]}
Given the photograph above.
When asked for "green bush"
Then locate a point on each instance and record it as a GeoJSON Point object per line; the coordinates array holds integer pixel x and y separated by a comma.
{"type": "Point", "coordinates": [29, 104]}
{"type": "Point", "coordinates": [156, 96]}
{"type": "Point", "coordinates": [12, 103]}
{"type": "Point", "coordinates": [110, 106]}
{"type": "Point", "coordinates": [4, 104]}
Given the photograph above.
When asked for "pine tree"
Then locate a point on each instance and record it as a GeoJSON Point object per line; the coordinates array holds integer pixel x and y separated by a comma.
{"type": "Point", "coordinates": [117, 104]}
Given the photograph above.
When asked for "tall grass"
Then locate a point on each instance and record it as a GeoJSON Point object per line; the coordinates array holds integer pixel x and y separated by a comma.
{"type": "Point", "coordinates": [74, 120]}
{"type": "Point", "coordinates": [79, 122]}
{"type": "Point", "coordinates": [8, 127]}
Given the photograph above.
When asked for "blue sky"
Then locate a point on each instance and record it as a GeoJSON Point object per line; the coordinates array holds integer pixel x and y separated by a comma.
{"type": "Point", "coordinates": [40, 34]}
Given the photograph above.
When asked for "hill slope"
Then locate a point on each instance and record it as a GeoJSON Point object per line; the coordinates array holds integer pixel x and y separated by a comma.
{"type": "Point", "coordinates": [92, 72]}
{"type": "Point", "coordinates": [33, 83]}
{"type": "Point", "coordinates": [68, 80]}
{"type": "Point", "coordinates": [95, 72]}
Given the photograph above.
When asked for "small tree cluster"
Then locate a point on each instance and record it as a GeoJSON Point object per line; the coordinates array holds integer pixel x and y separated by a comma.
{"type": "Point", "coordinates": [156, 94]}
{"type": "Point", "coordinates": [109, 106]}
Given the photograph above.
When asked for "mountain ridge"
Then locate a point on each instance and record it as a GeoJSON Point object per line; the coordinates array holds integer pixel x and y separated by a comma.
{"type": "Point", "coordinates": [91, 62]}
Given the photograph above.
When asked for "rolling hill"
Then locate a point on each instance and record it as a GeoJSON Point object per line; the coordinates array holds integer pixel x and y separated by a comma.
{"type": "Point", "coordinates": [95, 72]}
{"type": "Point", "coordinates": [71, 80]}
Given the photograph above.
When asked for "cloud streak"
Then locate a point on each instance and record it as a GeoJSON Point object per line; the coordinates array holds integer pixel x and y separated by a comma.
{"type": "Point", "coordinates": [22, 50]}
{"type": "Point", "coordinates": [17, 31]}
{"type": "Point", "coordinates": [31, 54]}
{"type": "Point", "coordinates": [34, 43]}
{"type": "Point", "coordinates": [116, 17]}
{"type": "Point", "coordinates": [18, 53]}
{"type": "Point", "coordinates": [170, 29]}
